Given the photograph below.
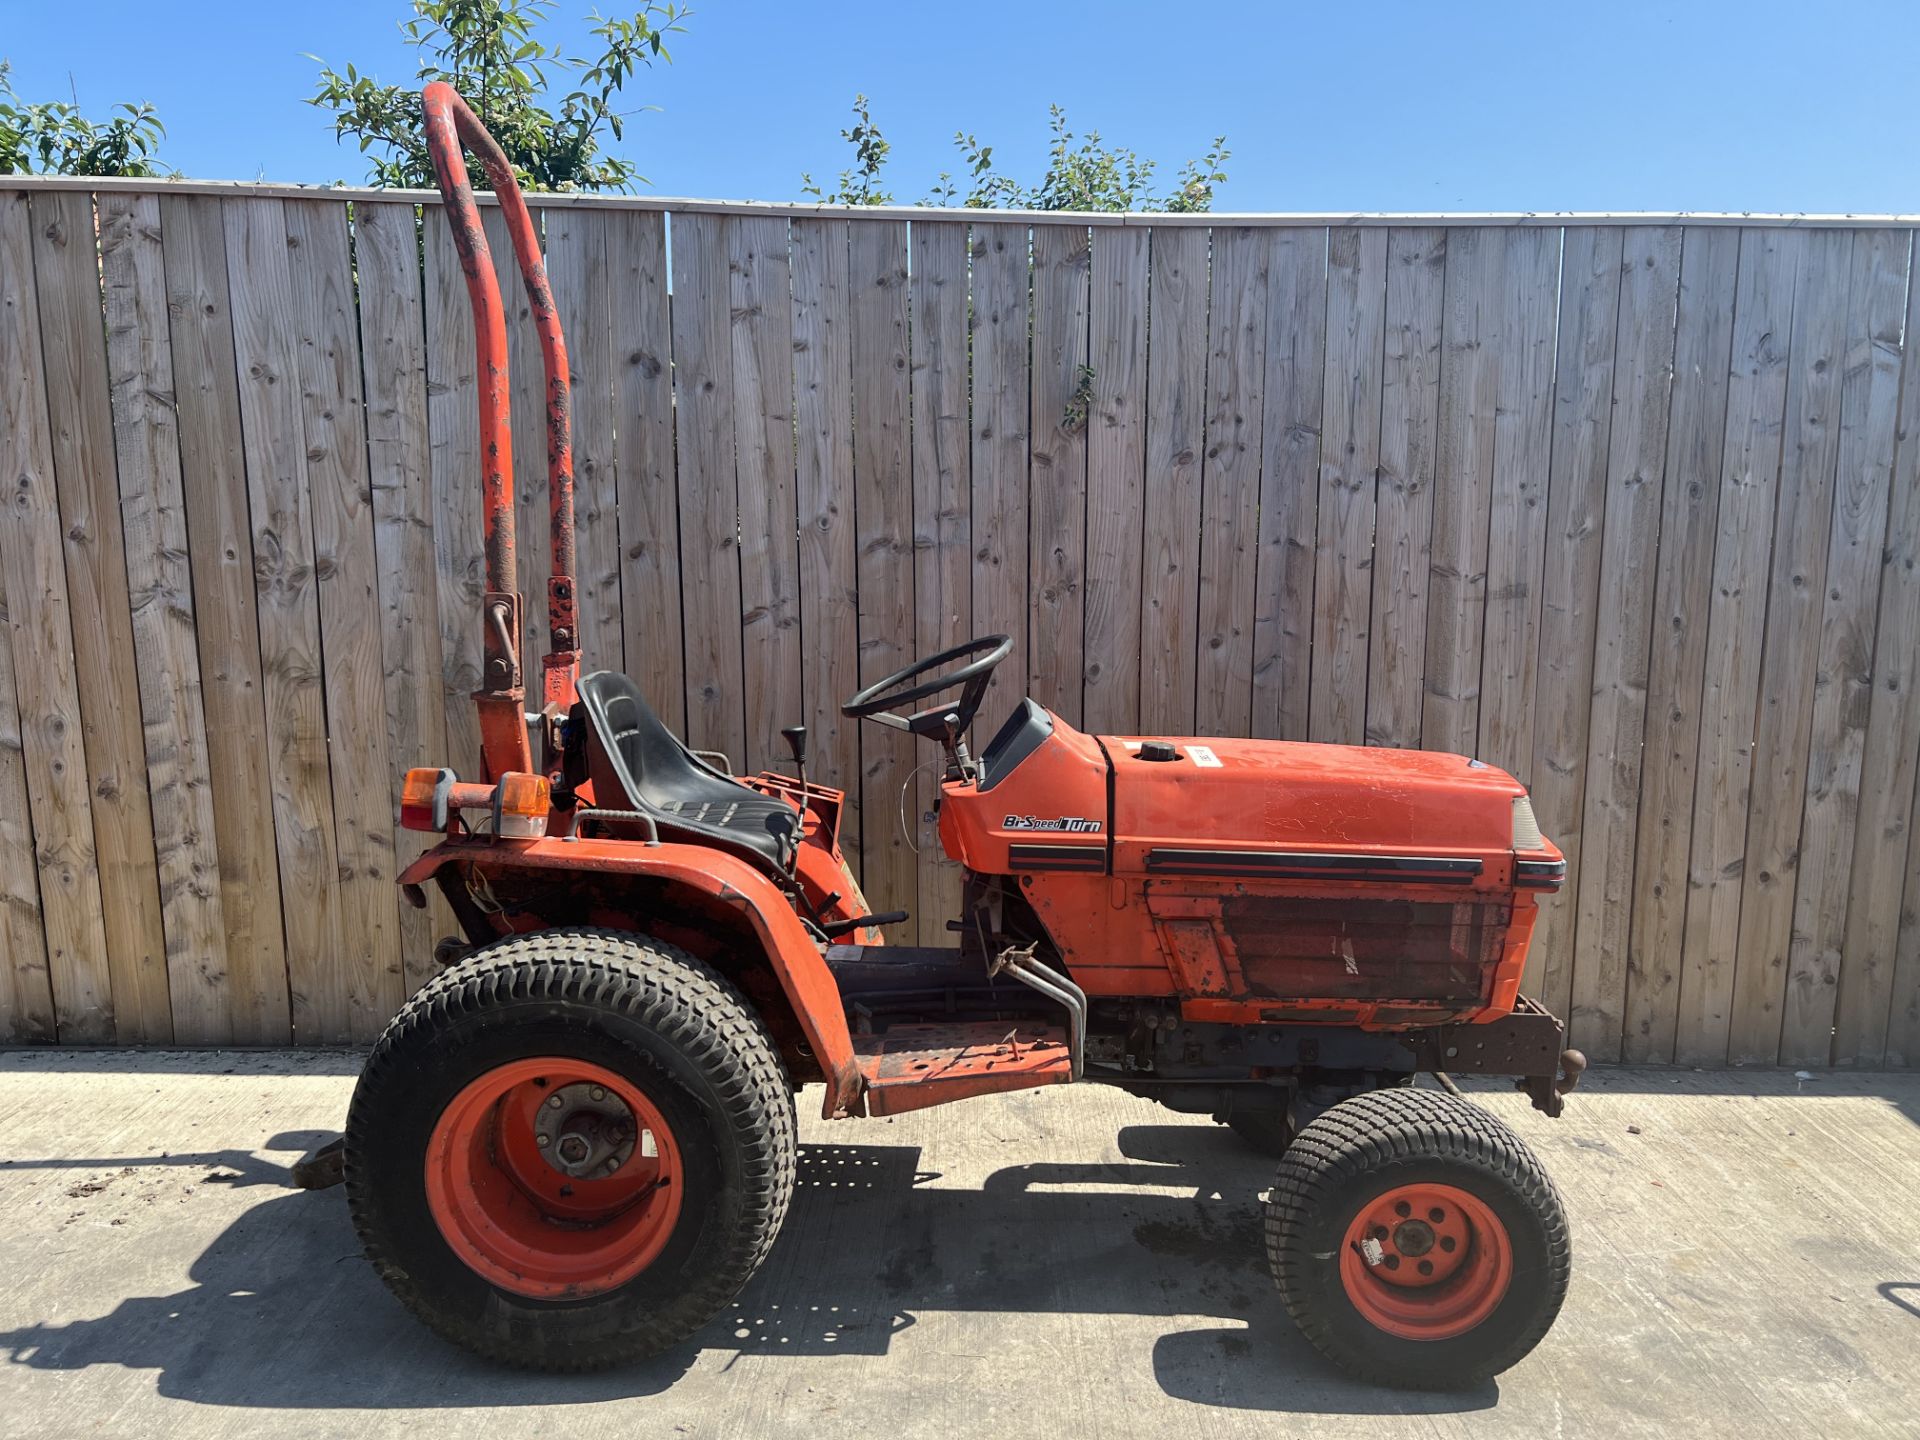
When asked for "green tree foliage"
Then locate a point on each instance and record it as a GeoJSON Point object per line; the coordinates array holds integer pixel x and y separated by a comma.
{"type": "Point", "coordinates": [859, 185]}
{"type": "Point", "coordinates": [492, 53]}
{"type": "Point", "coordinates": [1083, 173]}
{"type": "Point", "coordinates": [54, 138]}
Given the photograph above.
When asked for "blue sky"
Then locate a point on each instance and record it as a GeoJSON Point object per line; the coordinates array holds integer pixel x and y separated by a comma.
{"type": "Point", "coordinates": [1362, 106]}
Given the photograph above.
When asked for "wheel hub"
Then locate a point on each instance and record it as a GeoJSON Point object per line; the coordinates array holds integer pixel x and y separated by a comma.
{"type": "Point", "coordinates": [585, 1131]}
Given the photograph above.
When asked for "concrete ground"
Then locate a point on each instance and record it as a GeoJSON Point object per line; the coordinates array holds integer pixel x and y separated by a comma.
{"type": "Point", "coordinates": [1747, 1264]}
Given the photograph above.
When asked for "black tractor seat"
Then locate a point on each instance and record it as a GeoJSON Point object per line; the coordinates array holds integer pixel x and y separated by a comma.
{"type": "Point", "coordinates": [636, 763]}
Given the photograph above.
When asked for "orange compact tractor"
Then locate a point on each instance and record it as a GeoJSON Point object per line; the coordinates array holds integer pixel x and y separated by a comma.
{"type": "Point", "coordinates": [576, 1144]}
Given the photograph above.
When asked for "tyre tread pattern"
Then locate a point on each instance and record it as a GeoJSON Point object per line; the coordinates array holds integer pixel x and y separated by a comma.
{"type": "Point", "coordinates": [1375, 1129]}
{"type": "Point", "coordinates": [687, 1003]}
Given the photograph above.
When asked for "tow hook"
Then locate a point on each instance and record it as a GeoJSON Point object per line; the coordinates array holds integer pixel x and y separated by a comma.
{"type": "Point", "coordinates": [1548, 1092]}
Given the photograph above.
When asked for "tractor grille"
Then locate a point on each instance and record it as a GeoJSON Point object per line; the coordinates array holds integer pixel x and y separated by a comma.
{"type": "Point", "coordinates": [1354, 949]}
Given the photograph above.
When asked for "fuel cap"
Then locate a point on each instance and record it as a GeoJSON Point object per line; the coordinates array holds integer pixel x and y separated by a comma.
{"type": "Point", "coordinates": [1158, 750]}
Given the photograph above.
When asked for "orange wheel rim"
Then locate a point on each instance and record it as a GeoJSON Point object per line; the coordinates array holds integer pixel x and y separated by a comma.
{"type": "Point", "coordinates": [554, 1179]}
{"type": "Point", "coordinates": [1426, 1262]}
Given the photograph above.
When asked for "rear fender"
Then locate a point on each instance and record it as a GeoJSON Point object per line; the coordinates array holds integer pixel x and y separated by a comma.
{"type": "Point", "coordinates": [790, 951]}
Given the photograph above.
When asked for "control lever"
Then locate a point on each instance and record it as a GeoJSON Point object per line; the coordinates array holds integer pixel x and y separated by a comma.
{"type": "Point", "coordinates": [796, 738]}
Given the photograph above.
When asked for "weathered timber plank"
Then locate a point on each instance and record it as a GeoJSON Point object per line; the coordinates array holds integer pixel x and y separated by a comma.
{"type": "Point", "coordinates": [1576, 502]}
{"type": "Point", "coordinates": [1178, 288]}
{"type": "Point", "coordinates": [79, 405]}
{"type": "Point", "coordinates": [1061, 399]}
{"type": "Point", "coordinates": [1116, 481]}
{"type": "Point", "coordinates": [1348, 483]}
{"type": "Point", "coordinates": [213, 482]}
{"type": "Point", "coordinates": [1777, 773]}
{"type": "Point", "coordinates": [649, 503]}
{"type": "Point", "coordinates": [942, 511]}
{"type": "Point", "coordinates": [1869, 405]}
{"type": "Point", "coordinates": [1230, 481]}
{"type": "Point", "coordinates": [762, 339]}
{"type": "Point", "coordinates": [883, 505]}
{"type": "Point", "coordinates": [1749, 484]}
{"type": "Point", "coordinates": [37, 606]}
{"type": "Point", "coordinates": [1629, 562]}
{"type": "Point", "coordinates": [393, 368]}
{"type": "Point", "coordinates": [1677, 654]}
{"type": "Point", "coordinates": [1403, 523]}
{"type": "Point", "coordinates": [152, 507]}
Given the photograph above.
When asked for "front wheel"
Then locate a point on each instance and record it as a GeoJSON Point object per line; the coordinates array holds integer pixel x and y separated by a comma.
{"type": "Point", "coordinates": [1416, 1240]}
{"type": "Point", "coordinates": [571, 1150]}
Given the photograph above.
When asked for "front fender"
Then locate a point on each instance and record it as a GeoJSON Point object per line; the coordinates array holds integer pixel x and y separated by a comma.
{"type": "Point", "coordinates": [796, 960]}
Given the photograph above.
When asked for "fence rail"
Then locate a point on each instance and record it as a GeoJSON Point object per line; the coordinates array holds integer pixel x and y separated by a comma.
{"type": "Point", "coordinates": [1629, 505]}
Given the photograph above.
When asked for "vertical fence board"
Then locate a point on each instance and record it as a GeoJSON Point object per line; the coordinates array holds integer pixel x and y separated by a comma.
{"type": "Point", "coordinates": [266, 343]}
{"type": "Point", "coordinates": [1570, 582]}
{"type": "Point", "coordinates": [1875, 1022]}
{"type": "Point", "coordinates": [584, 298]}
{"type": "Point", "coordinates": [1635, 464]}
{"type": "Point", "coordinates": [1176, 420]}
{"type": "Point", "coordinates": [1835, 738]}
{"type": "Point", "coordinates": [823, 430]}
{"type": "Point", "coordinates": [709, 499]}
{"type": "Point", "coordinates": [1061, 398]}
{"type": "Point", "coordinates": [1289, 483]}
{"type": "Point", "coordinates": [152, 506]}
{"type": "Point", "coordinates": [213, 483]}
{"type": "Point", "coordinates": [1116, 480]}
{"type": "Point", "coordinates": [1776, 778]}
{"type": "Point", "coordinates": [1756, 411]}
{"type": "Point", "coordinates": [1230, 480]}
{"type": "Point", "coordinates": [645, 487]}
{"type": "Point", "coordinates": [942, 510]}
{"type": "Point", "coordinates": [393, 364]}
{"type": "Point", "coordinates": [340, 505]}
{"type": "Point", "coordinates": [1462, 488]}
{"type": "Point", "coordinates": [26, 999]}
{"type": "Point", "coordinates": [1683, 587]}
{"type": "Point", "coordinates": [1403, 522]}
{"type": "Point", "coordinates": [1517, 524]}
{"type": "Point", "coordinates": [762, 338]}
{"type": "Point", "coordinates": [34, 597]}
{"type": "Point", "coordinates": [67, 275]}
{"type": "Point", "coordinates": [1000, 419]}
{"type": "Point", "coordinates": [453, 452]}
{"type": "Point", "coordinates": [1348, 483]}
{"type": "Point", "coordinates": [883, 505]}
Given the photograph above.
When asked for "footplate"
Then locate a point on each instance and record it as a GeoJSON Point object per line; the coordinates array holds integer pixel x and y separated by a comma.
{"type": "Point", "coordinates": [913, 1066]}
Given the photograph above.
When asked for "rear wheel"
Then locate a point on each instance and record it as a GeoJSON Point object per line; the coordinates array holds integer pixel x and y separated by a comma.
{"type": "Point", "coordinates": [1416, 1240]}
{"type": "Point", "coordinates": [571, 1150]}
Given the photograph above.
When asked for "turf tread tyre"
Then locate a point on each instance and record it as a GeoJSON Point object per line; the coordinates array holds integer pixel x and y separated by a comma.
{"type": "Point", "coordinates": [591, 982]}
{"type": "Point", "coordinates": [1361, 1146]}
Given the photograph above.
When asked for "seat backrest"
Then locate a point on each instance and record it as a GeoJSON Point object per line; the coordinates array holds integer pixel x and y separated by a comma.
{"type": "Point", "coordinates": [651, 756]}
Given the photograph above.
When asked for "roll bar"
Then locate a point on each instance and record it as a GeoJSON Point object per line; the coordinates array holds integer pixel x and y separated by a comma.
{"type": "Point", "coordinates": [501, 699]}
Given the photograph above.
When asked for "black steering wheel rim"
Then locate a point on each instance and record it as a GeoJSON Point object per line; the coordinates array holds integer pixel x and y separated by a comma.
{"type": "Point", "coordinates": [987, 651]}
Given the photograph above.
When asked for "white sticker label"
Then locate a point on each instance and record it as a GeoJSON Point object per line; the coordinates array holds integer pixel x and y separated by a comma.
{"type": "Point", "coordinates": [1204, 757]}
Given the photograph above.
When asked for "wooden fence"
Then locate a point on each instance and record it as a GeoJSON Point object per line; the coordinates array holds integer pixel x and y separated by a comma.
{"type": "Point", "coordinates": [1628, 506]}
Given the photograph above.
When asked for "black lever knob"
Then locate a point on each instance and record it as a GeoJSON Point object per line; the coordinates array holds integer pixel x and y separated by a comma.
{"type": "Point", "coordinates": [796, 738]}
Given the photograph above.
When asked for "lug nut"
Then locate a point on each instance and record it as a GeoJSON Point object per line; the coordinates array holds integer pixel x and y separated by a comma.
{"type": "Point", "coordinates": [598, 1092]}
{"type": "Point", "coordinates": [542, 1139]}
{"type": "Point", "coordinates": [556, 1102]}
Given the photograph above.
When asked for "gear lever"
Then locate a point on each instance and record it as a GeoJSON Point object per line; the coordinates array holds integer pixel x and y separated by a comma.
{"type": "Point", "coordinates": [796, 738]}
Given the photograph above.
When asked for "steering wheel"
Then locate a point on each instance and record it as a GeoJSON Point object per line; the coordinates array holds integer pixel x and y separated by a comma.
{"type": "Point", "coordinates": [905, 686]}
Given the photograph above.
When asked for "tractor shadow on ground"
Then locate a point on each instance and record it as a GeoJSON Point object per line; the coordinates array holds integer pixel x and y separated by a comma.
{"type": "Point", "coordinates": [284, 1313]}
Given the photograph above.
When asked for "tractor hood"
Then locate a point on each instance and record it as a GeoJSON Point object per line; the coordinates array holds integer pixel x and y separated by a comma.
{"type": "Point", "coordinates": [1326, 801]}
{"type": "Point", "coordinates": [1052, 798]}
